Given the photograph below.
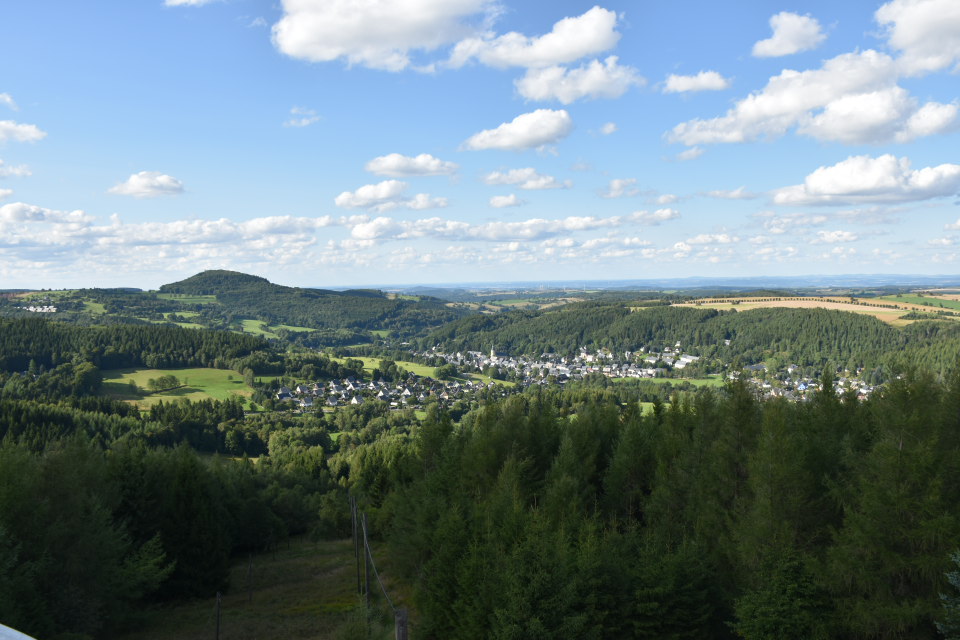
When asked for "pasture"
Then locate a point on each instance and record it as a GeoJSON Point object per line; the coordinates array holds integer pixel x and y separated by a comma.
{"type": "Point", "coordinates": [198, 384]}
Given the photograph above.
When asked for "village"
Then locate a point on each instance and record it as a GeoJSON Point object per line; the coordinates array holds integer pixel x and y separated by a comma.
{"type": "Point", "coordinates": [505, 374]}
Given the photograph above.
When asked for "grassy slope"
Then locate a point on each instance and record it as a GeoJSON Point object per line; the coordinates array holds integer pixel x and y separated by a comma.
{"type": "Point", "coordinates": [304, 591]}
{"type": "Point", "coordinates": [200, 384]}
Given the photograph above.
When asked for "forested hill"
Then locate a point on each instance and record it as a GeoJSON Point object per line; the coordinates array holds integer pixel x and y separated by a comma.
{"type": "Point", "coordinates": [49, 344]}
{"type": "Point", "coordinates": [807, 337]}
{"type": "Point", "coordinates": [249, 296]}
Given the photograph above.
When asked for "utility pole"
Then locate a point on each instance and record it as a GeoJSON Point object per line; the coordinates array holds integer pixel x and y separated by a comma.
{"type": "Point", "coordinates": [219, 597]}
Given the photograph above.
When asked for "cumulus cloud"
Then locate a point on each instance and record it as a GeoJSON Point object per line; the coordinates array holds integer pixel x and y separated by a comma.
{"type": "Point", "coordinates": [387, 195]}
{"type": "Point", "coordinates": [186, 3]}
{"type": "Point", "coordinates": [570, 39]}
{"type": "Point", "coordinates": [396, 165]}
{"type": "Point", "coordinates": [833, 237]}
{"type": "Point", "coordinates": [500, 202]}
{"type": "Point", "coordinates": [852, 98]}
{"type": "Point", "coordinates": [878, 116]}
{"type": "Point", "coordinates": [19, 171]}
{"type": "Point", "coordinates": [526, 178]}
{"type": "Point", "coordinates": [794, 223]}
{"type": "Point", "coordinates": [863, 179]}
{"type": "Point", "coordinates": [148, 184]}
{"type": "Point", "coordinates": [667, 198]}
{"type": "Point", "coordinates": [792, 33]}
{"type": "Point", "coordinates": [954, 226]}
{"type": "Point", "coordinates": [5, 193]}
{"type": "Point", "coordinates": [690, 154]}
{"type": "Point", "coordinates": [595, 79]}
{"type": "Point", "coordinates": [740, 193]}
{"type": "Point", "coordinates": [608, 128]}
{"type": "Point", "coordinates": [301, 117]}
{"type": "Point", "coordinates": [375, 34]}
{"type": "Point", "coordinates": [713, 238]}
{"type": "Point", "coordinates": [21, 212]}
{"type": "Point", "coordinates": [620, 187]}
{"type": "Point", "coordinates": [654, 218]}
{"type": "Point", "coordinates": [926, 32]}
{"type": "Point", "coordinates": [526, 131]}
{"type": "Point", "coordinates": [10, 130]}
{"type": "Point", "coordinates": [7, 99]}
{"type": "Point", "coordinates": [703, 81]}
{"type": "Point", "coordinates": [371, 195]}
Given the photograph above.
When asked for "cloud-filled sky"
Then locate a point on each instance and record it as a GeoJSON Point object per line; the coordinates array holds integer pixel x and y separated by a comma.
{"type": "Point", "coordinates": [336, 143]}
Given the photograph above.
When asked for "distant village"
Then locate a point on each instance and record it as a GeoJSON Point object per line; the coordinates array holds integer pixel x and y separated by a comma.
{"type": "Point", "coordinates": [416, 391]}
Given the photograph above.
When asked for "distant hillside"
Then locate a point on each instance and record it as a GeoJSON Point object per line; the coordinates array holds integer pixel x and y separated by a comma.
{"type": "Point", "coordinates": [807, 337]}
{"type": "Point", "coordinates": [247, 296]}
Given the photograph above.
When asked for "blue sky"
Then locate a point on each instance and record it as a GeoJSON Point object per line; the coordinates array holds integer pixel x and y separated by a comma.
{"type": "Point", "coordinates": [348, 142]}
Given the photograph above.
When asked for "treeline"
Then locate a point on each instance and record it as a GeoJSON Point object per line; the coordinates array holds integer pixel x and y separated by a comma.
{"type": "Point", "coordinates": [715, 516]}
{"type": "Point", "coordinates": [49, 344]}
{"type": "Point", "coordinates": [88, 537]}
{"type": "Point", "coordinates": [806, 337]}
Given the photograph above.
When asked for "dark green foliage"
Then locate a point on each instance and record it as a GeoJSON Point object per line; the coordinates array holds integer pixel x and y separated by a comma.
{"type": "Point", "coordinates": [949, 625]}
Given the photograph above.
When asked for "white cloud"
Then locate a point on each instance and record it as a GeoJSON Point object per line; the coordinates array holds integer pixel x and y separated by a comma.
{"type": "Point", "coordinates": [792, 33]}
{"type": "Point", "coordinates": [5, 193]}
{"type": "Point", "coordinates": [926, 32]}
{"type": "Point", "coordinates": [833, 237]}
{"type": "Point", "coordinates": [526, 178]}
{"type": "Point", "coordinates": [569, 40]}
{"type": "Point", "coordinates": [703, 81]}
{"type": "Point", "coordinates": [667, 198]}
{"type": "Point", "coordinates": [385, 196]}
{"type": "Point", "coordinates": [10, 130]}
{"type": "Point", "coordinates": [713, 238]}
{"type": "Point", "coordinates": [526, 131]}
{"type": "Point", "coordinates": [654, 218]}
{"type": "Point", "coordinates": [186, 3]}
{"type": "Point", "coordinates": [852, 98]}
{"type": "Point", "coordinates": [740, 193]}
{"type": "Point", "coordinates": [396, 165]}
{"type": "Point", "coordinates": [148, 184]}
{"type": "Point", "coordinates": [948, 241]}
{"type": "Point", "coordinates": [7, 99]}
{"type": "Point", "coordinates": [954, 226]}
{"type": "Point", "coordinates": [595, 79]}
{"type": "Point", "coordinates": [863, 179]}
{"type": "Point", "coordinates": [690, 154]}
{"type": "Point", "coordinates": [499, 202]}
{"type": "Point", "coordinates": [608, 128]}
{"type": "Point", "coordinates": [423, 201]}
{"type": "Point", "coordinates": [19, 171]}
{"type": "Point", "coordinates": [879, 116]}
{"type": "Point", "coordinates": [796, 223]}
{"type": "Point", "coordinates": [378, 34]}
{"type": "Point", "coordinates": [371, 195]}
{"type": "Point", "coordinates": [620, 187]}
{"type": "Point", "coordinates": [21, 212]}
{"type": "Point", "coordinates": [301, 117]}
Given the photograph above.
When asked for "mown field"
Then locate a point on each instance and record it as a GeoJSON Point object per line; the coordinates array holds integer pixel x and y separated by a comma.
{"type": "Point", "coordinates": [880, 308]}
{"type": "Point", "coordinates": [369, 364]}
{"type": "Point", "coordinates": [303, 590]}
{"type": "Point", "coordinates": [199, 384]}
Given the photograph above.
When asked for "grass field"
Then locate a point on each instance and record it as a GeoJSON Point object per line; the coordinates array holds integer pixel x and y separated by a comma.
{"type": "Point", "coordinates": [933, 302]}
{"type": "Point", "coordinates": [304, 590]}
{"type": "Point", "coordinates": [261, 328]}
{"type": "Point", "coordinates": [199, 384]}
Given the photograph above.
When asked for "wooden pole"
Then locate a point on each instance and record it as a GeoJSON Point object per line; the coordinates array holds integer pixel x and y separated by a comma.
{"type": "Point", "coordinates": [366, 563]}
{"type": "Point", "coordinates": [218, 615]}
{"type": "Point", "coordinates": [400, 620]}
